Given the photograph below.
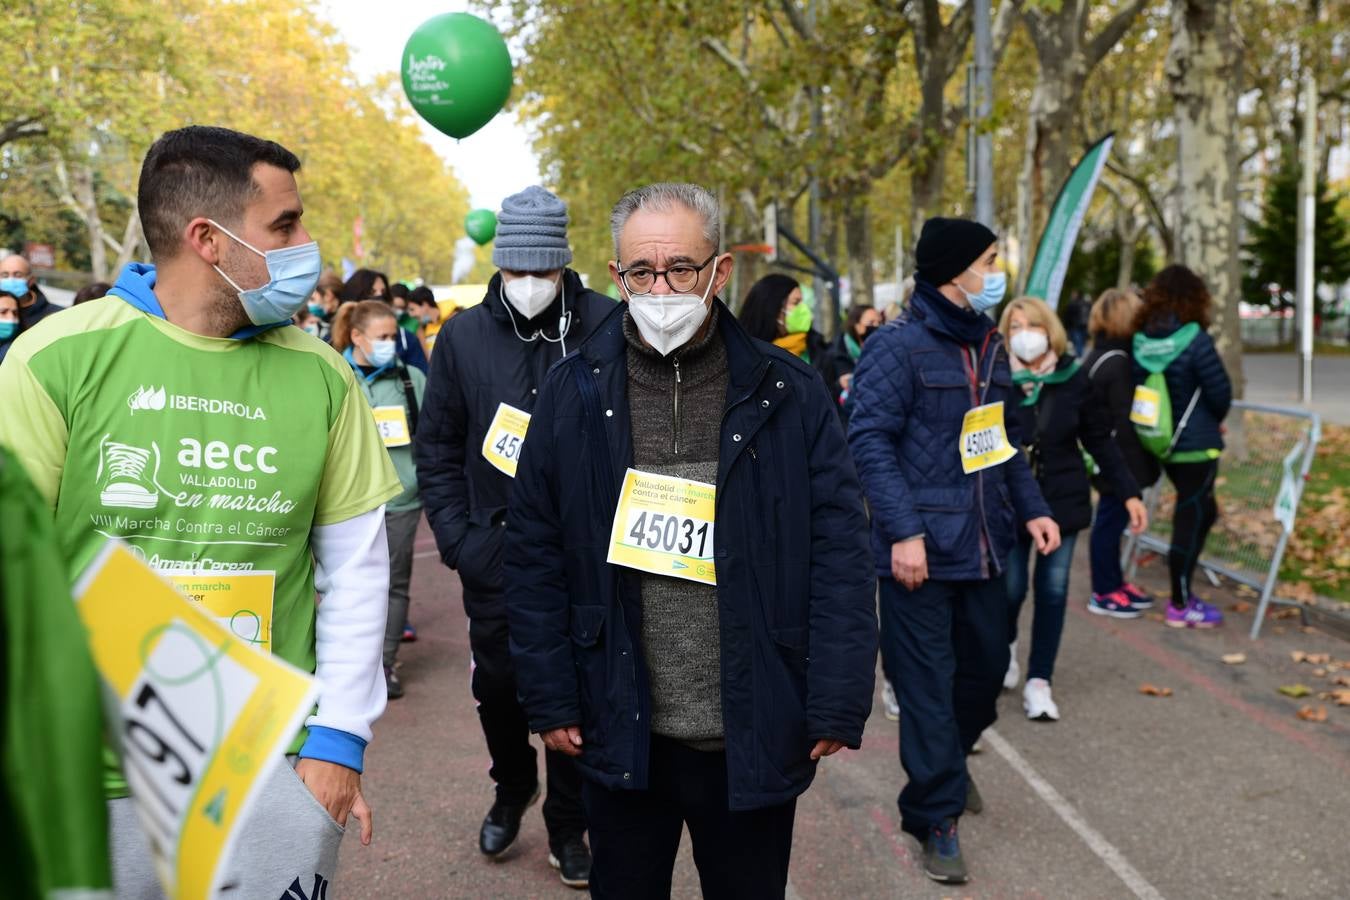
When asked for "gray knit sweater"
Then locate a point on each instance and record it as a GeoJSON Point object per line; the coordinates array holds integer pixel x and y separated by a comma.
{"type": "Point", "coordinates": [675, 405]}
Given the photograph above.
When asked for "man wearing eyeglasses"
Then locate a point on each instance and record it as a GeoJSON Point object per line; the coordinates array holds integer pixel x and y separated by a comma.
{"type": "Point", "coordinates": [686, 570]}
{"type": "Point", "coordinates": [485, 378]}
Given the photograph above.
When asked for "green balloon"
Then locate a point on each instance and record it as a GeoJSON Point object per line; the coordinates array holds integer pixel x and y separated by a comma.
{"type": "Point", "coordinates": [481, 225]}
{"type": "Point", "coordinates": [456, 72]}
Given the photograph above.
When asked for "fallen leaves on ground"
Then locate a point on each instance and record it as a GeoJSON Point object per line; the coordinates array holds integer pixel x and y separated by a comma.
{"type": "Point", "coordinates": [1340, 698]}
{"type": "Point", "coordinates": [1152, 690]}
{"type": "Point", "coordinates": [1288, 612]}
{"type": "Point", "coordinates": [1242, 606]}
{"type": "Point", "coordinates": [1316, 659]}
{"type": "Point", "coordinates": [1341, 679]}
{"type": "Point", "coordinates": [1234, 659]}
{"type": "Point", "coordinates": [1294, 690]}
{"type": "Point", "coordinates": [1309, 714]}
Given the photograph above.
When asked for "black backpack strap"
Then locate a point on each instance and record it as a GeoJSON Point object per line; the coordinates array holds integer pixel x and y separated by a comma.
{"type": "Point", "coordinates": [1101, 359]}
{"type": "Point", "coordinates": [411, 399]}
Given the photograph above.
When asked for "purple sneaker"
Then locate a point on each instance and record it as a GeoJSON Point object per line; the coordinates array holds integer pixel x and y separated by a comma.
{"type": "Point", "coordinates": [1139, 598]}
{"type": "Point", "coordinates": [1117, 604]}
{"type": "Point", "coordinates": [1195, 614]}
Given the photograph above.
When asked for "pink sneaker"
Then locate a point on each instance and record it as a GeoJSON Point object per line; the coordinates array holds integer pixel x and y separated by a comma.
{"type": "Point", "coordinates": [1117, 604]}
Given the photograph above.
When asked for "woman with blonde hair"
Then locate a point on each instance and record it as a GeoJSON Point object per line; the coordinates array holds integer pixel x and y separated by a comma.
{"type": "Point", "coordinates": [1109, 368]}
{"type": "Point", "coordinates": [1055, 414]}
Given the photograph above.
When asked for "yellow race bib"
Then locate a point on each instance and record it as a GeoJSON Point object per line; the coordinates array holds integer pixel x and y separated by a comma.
{"type": "Point", "coordinates": [505, 437]}
{"type": "Point", "coordinates": [199, 715]}
{"type": "Point", "coordinates": [1144, 409]}
{"type": "Point", "coordinates": [240, 601]}
{"type": "Point", "coordinates": [984, 442]}
{"type": "Point", "coordinates": [393, 424]}
{"type": "Point", "coordinates": [664, 525]}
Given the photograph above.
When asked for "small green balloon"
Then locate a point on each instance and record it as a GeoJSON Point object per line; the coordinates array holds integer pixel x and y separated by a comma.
{"type": "Point", "coordinates": [456, 72]}
{"type": "Point", "coordinates": [481, 225]}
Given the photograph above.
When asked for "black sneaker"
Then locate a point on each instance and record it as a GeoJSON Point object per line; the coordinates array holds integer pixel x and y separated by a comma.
{"type": "Point", "coordinates": [502, 825]}
{"type": "Point", "coordinates": [942, 860]}
{"type": "Point", "coordinates": [392, 683]}
{"type": "Point", "coordinates": [573, 862]}
{"type": "Point", "coordinates": [974, 802]}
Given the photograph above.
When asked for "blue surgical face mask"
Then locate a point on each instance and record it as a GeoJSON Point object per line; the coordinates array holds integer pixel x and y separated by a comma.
{"type": "Point", "coordinates": [312, 328]}
{"type": "Point", "coordinates": [8, 329]}
{"type": "Point", "coordinates": [381, 353]}
{"type": "Point", "coordinates": [292, 274]}
{"type": "Point", "coordinates": [316, 310]}
{"type": "Point", "coordinates": [995, 286]}
{"type": "Point", "coordinates": [16, 286]}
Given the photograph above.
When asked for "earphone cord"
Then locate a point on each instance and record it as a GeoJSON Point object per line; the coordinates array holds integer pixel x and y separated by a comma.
{"type": "Point", "coordinates": [564, 323]}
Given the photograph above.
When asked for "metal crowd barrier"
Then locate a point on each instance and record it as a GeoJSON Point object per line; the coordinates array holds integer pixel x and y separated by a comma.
{"type": "Point", "coordinates": [1261, 478]}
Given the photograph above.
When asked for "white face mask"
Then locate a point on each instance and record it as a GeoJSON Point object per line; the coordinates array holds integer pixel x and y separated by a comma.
{"type": "Point", "coordinates": [530, 295]}
{"type": "Point", "coordinates": [668, 321]}
{"type": "Point", "coordinates": [1028, 345]}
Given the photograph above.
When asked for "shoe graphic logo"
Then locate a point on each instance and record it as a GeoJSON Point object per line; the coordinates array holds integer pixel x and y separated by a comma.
{"type": "Point", "coordinates": [122, 478]}
{"type": "Point", "coordinates": [147, 398]}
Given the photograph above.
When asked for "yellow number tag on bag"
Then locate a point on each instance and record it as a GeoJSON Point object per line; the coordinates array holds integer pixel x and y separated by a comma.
{"type": "Point", "coordinates": [240, 601]}
{"type": "Point", "coordinates": [201, 716]}
{"type": "Point", "coordinates": [1144, 408]}
{"type": "Point", "coordinates": [505, 437]}
{"type": "Point", "coordinates": [393, 424]}
{"type": "Point", "coordinates": [664, 525]}
{"type": "Point", "coordinates": [984, 442]}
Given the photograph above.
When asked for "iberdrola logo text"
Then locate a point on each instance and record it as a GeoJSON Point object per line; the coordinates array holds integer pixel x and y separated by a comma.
{"type": "Point", "coordinates": [156, 398]}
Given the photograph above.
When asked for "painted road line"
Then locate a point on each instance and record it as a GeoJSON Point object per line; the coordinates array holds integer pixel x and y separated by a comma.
{"type": "Point", "coordinates": [1105, 850]}
{"type": "Point", "coordinates": [424, 554]}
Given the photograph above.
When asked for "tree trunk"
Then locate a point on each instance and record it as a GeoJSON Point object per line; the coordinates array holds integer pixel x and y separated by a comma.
{"type": "Point", "coordinates": [1204, 71]}
{"type": "Point", "coordinates": [1045, 159]}
{"type": "Point", "coordinates": [925, 192]}
{"type": "Point", "coordinates": [858, 240]}
{"type": "Point", "coordinates": [77, 193]}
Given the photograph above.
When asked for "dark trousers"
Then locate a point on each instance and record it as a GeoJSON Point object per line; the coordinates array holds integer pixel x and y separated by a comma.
{"type": "Point", "coordinates": [508, 737]}
{"type": "Point", "coordinates": [949, 643]}
{"type": "Point", "coordinates": [1194, 517]}
{"type": "Point", "coordinates": [1104, 545]}
{"type": "Point", "coordinates": [636, 834]}
{"type": "Point", "coordinates": [1051, 585]}
{"type": "Point", "coordinates": [401, 530]}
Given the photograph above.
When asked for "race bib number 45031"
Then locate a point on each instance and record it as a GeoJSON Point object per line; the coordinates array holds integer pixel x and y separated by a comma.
{"type": "Point", "coordinates": [984, 442]}
{"type": "Point", "coordinates": [665, 525]}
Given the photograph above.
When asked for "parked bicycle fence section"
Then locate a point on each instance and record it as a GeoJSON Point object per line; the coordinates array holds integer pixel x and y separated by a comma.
{"type": "Point", "coordinates": [1260, 483]}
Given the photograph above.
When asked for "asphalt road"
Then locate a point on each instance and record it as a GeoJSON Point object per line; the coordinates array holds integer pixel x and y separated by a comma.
{"type": "Point", "coordinates": [1216, 791]}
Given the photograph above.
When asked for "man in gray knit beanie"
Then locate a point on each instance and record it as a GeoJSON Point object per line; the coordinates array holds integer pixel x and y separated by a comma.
{"type": "Point", "coordinates": [489, 364]}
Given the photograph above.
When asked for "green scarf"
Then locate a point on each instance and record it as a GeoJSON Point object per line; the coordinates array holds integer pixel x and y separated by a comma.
{"type": "Point", "coordinates": [853, 347]}
{"type": "Point", "coordinates": [1059, 376]}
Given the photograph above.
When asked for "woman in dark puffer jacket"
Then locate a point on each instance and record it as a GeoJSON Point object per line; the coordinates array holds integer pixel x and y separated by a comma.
{"type": "Point", "coordinates": [1201, 396]}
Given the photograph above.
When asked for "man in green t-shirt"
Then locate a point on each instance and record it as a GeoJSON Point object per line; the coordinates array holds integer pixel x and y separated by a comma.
{"type": "Point", "coordinates": [185, 416]}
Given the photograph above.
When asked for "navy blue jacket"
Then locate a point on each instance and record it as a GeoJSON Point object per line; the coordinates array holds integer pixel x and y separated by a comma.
{"type": "Point", "coordinates": [916, 379]}
{"type": "Point", "coordinates": [1198, 367]}
{"type": "Point", "coordinates": [480, 363]}
{"type": "Point", "coordinates": [795, 591]}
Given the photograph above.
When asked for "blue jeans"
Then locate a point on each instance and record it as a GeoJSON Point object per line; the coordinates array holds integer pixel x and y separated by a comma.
{"type": "Point", "coordinates": [1104, 544]}
{"type": "Point", "coordinates": [1052, 592]}
{"type": "Point", "coordinates": [949, 647]}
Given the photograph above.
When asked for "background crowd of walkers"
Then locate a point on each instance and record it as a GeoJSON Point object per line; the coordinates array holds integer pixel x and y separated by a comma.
{"type": "Point", "coordinates": [672, 570]}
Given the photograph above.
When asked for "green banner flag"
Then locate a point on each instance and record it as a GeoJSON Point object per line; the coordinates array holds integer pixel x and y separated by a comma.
{"type": "Point", "coordinates": [1066, 217]}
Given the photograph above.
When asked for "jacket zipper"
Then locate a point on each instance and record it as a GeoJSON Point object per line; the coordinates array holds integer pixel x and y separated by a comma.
{"type": "Point", "coordinates": [675, 435]}
{"type": "Point", "coordinates": [986, 545]}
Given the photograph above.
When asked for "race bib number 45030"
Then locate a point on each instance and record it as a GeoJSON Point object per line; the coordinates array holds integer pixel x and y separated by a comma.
{"type": "Point", "coordinates": [984, 442]}
{"type": "Point", "coordinates": [505, 437]}
{"type": "Point", "coordinates": [665, 525]}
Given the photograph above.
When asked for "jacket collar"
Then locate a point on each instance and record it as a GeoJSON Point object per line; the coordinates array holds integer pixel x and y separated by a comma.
{"type": "Point", "coordinates": [136, 286]}
{"type": "Point", "coordinates": [943, 316]}
{"type": "Point", "coordinates": [745, 361]}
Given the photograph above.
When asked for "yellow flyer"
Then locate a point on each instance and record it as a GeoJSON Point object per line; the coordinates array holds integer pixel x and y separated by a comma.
{"type": "Point", "coordinates": [1145, 407]}
{"type": "Point", "coordinates": [505, 436]}
{"type": "Point", "coordinates": [984, 442]}
{"type": "Point", "coordinates": [665, 525]}
{"type": "Point", "coordinates": [239, 601]}
{"type": "Point", "coordinates": [392, 421]}
{"type": "Point", "coordinates": [201, 715]}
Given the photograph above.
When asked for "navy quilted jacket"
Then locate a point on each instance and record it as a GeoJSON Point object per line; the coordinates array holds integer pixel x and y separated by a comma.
{"type": "Point", "coordinates": [915, 381]}
{"type": "Point", "coordinates": [1198, 368]}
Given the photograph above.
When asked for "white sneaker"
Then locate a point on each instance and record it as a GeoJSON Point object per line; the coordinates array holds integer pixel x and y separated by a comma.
{"type": "Point", "coordinates": [888, 701]}
{"type": "Point", "coordinates": [1014, 673]}
{"type": "Point", "coordinates": [1038, 703]}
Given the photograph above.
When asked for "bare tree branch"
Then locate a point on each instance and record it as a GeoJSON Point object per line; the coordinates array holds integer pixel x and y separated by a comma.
{"type": "Point", "coordinates": [1111, 33]}
{"type": "Point", "coordinates": [18, 129]}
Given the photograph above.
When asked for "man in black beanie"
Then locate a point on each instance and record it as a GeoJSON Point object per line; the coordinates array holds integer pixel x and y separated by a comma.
{"type": "Point", "coordinates": [948, 492]}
